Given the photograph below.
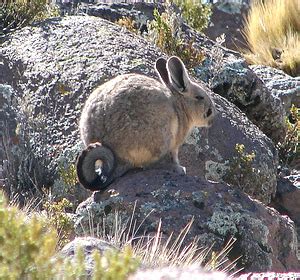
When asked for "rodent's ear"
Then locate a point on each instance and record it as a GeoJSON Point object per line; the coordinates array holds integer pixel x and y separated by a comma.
{"type": "Point", "coordinates": [178, 74]}
{"type": "Point", "coordinates": [161, 69]}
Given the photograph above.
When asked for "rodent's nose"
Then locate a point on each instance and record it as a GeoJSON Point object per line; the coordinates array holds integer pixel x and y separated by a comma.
{"type": "Point", "coordinates": [208, 113]}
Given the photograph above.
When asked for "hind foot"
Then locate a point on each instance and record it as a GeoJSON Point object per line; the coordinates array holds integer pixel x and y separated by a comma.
{"type": "Point", "coordinates": [179, 169]}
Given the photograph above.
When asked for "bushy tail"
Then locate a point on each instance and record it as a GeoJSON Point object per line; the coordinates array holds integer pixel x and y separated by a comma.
{"type": "Point", "coordinates": [94, 166]}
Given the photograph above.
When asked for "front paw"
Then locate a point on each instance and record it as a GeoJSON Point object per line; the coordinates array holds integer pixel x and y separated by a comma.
{"type": "Point", "coordinates": [180, 169]}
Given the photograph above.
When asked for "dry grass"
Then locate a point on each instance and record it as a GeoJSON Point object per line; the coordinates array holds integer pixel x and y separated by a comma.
{"type": "Point", "coordinates": [157, 250]}
{"type": "Point", "coordinates": [272, 32]}
{"type": "Point", "coordinates": [19, 13]}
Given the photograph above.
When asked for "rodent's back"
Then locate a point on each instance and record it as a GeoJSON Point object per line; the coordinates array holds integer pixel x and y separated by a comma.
{"type": "Point", "coordinates": [134, 115]}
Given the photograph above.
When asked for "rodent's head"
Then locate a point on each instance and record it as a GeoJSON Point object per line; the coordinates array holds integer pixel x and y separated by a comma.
{"type": "Point", "coordinates": [198, 103]}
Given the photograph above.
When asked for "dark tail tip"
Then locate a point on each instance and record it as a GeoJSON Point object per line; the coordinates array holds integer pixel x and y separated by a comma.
{"type": "Point", "coordinates": [89, 177]}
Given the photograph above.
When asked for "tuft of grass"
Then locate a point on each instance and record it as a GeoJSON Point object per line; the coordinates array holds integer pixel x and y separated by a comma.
{"type": "Point", "coordinates": [158, 251]}
{"type": "Point", "coordinates": [28, 250]}
{"type": "Point", "coordinates": [19, 13]}
{"type": "Point", "coordinates": [272, 33]}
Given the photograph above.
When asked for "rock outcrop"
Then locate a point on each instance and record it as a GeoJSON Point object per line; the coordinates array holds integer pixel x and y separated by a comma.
{"type": "Point", "coordinates": [266, 241]}
{"type": "Point", "coordinates": [280, 84]}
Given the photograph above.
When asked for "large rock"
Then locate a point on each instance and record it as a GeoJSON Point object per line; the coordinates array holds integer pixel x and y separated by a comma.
{"type": "Point", "coordinates": [207, 152]}
{"type": "Point", "coordinates": [280, 84]}
{"type": "Point", "coordinates": [175, 273]}
{"type": "Point", "coordinates": [287, 198]}
{"type": "Point", "coordinates": [266, 241]}
{"type": "Point", "coordinates": [7, 126]}
{"type": "Point", "coordinates": [88, 245]}
{"type": "Point", "coordinates": [239, 84]}
{"type": "Point", "coordinates": [54, 65]}
{"type": "Point", "coordinates": [227, 18]}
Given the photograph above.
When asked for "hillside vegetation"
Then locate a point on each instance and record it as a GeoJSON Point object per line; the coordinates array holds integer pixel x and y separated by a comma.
{"type": "Point", "coordinates": [272, 32]}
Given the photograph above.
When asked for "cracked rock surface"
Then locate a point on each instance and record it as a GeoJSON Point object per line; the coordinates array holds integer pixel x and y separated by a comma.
{"type": "Point", "coordinates": [265, 239]}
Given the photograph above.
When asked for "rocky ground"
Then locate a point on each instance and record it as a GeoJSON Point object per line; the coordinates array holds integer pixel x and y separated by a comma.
{"type": "Point", "coordinates": [46, 73]}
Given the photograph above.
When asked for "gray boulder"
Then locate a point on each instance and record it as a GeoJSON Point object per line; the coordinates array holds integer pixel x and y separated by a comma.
{"type": "Point", "coordinates": [7, 127]}
{"type": "Point", "coordinates": [266, 241]}
{"type": "Point", "coordinates": [172, 273]}
{"type": "Point", "coordinates": [71, 56]}
{"type": "Point", "coordinates": [280, 84]}
{"type": "Point", "coordinates": [88, 245]}
{"type": "Point", "coordinates": [235, 81]}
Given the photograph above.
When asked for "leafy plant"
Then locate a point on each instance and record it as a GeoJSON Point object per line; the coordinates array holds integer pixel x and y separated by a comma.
{"type": "Point", "coordinates": [26, 245]}
{"type": "Point", "coordinates": [289, 150]}
{"type": "Point", "coordinates": [196, 14]}
{"type": "Point", "coordinates": [19, 13]}
{"type": "Point", "coordinates": [165, 33]}
{"type": "Point", "coordinates": [115, 265]}
{"type": "Point", "coordinates": [242, 173]}
{"type": "Point", "coordinates": [28, 251]}
{"type": "Point", "coordinates": [128, 23]}
{"type": "Point", "coordinates": [272, 32]}
{"type": "Point", "coordinates": [240, 166]}
{"type": "Point", "coordinates": [58, 218]}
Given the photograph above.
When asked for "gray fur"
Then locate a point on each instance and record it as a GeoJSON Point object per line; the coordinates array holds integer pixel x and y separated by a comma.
{"type": "Point", "coordinates": [141, 119]}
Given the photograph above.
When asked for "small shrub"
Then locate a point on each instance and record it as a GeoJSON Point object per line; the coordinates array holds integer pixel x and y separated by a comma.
{"type": "Point", "coordinates": [68, 174]}
{"type": "Point", "coordinates": [289, 150]}
{"type": "Point", "coordinates": [58, 218]}
{"type": "Point", "coordinates": [115, 265]}
{"type": "Point", "coordinates": [196, 14]}
{"type": "Point", "coordinates": [241, 172]}
{"type": "Point", "coordinates": [240, 167]}
{"type": "Point", "coordinates": [19, 13]}
{"type": "Point", "coordinates": [216, 57]}
{"type": "Point", "coordinates": [128, 23]}
{"type": "Point", "coordinates": [28, 251]}
{"type": "Point", "coordinates": [272, 32]}
{"type": "Point", "coordinates": [28, 169]}
{"type": "Point", "coordinates": [165, 33]}
{"type": "Point", "coordinates": [26, 245]}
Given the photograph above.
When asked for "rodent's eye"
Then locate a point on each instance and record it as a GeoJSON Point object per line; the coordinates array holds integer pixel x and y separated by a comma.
{"type": "Point", "coordinates": [199, 97]}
